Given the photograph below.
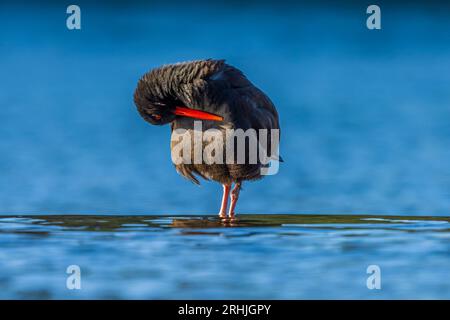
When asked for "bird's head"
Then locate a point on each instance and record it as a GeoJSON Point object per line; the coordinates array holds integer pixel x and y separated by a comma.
{"type": "Point", "coordinates": [154, 107]}
{"type": "Point", "coordinates": [157, 100]}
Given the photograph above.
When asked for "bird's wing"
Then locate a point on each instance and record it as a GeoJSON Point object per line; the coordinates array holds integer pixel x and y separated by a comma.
{"type": "Point", "coordinates": [226, 91]}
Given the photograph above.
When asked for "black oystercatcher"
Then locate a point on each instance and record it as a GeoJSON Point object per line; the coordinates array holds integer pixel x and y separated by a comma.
{"type": "Point", "coordinates": [222, 98]}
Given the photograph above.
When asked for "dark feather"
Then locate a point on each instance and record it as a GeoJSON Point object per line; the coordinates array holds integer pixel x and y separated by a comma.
{"type": "Point", "coordinates": [215, 87]}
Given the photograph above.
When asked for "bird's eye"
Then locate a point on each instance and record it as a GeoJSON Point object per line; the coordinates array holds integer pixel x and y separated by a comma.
{"type": "Point", "coordinates": [156, 116]}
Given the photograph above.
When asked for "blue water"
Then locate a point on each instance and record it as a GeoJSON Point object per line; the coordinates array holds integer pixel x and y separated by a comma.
{"type": "Point", "coordinates": [200, 257]}
{"type": "Point", "coordinates": [365, 130]}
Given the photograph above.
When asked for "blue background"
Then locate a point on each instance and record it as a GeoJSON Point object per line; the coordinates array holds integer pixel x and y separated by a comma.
{"type": "Point", "coordinates": [364, 114]}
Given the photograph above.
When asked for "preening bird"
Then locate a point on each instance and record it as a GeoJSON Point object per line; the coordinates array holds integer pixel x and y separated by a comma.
{"type": "Point", "coordinates": [222, 98]}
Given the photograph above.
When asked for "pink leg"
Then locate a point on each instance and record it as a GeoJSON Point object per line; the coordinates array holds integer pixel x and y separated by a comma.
{"type": "Point", "coordinates": [223, 207]}
{"type": "Point", "coordinates": [234, 199]}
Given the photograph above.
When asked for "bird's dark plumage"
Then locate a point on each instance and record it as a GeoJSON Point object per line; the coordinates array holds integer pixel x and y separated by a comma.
{"type": "Point", "coordinates": [215, 87]}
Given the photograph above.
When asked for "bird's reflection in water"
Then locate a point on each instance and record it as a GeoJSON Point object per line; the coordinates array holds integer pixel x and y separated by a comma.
{"type": "Point", "coordinates": [205, 223]}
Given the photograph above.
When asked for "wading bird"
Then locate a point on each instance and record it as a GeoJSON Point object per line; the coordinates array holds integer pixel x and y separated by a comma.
{"type": "Point", "coordinates": [219, 96]}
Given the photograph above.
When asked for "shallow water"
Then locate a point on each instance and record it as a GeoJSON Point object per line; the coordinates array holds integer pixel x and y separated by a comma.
{"type": "Point", "coordinates": [255, 256]}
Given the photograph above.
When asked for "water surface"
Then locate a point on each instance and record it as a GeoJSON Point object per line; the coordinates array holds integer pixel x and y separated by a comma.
{"type": "Point", "coordinates": [203, 257]}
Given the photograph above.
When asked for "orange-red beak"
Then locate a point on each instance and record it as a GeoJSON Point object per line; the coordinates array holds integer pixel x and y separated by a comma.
{"type": "Point", "coordinates": [197, 114]}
